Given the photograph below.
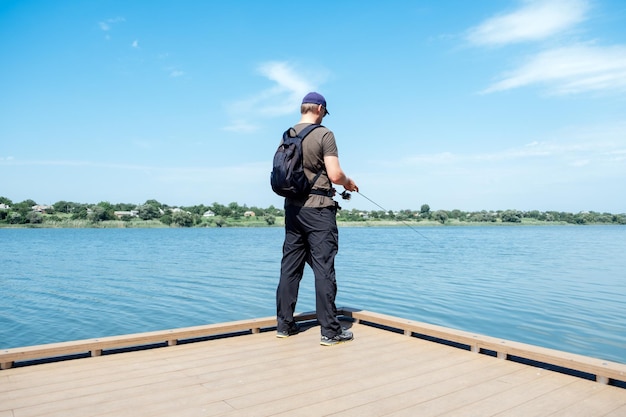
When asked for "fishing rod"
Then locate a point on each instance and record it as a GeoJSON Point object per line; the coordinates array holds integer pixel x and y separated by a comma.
{"type": "Point", "coordinates": [346, 196]}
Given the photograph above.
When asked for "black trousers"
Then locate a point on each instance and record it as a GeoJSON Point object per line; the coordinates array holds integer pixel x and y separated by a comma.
{"type": "Point", "coordinates": [311, 236]}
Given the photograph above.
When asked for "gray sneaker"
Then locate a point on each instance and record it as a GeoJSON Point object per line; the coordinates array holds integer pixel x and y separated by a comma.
{"type": "Point", "coordinates": [294, 330]}
{"type": "Point", "coordinates": [344, 336]}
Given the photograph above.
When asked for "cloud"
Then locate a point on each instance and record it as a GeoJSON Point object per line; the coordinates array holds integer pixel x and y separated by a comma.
{"type": "Point", "coordinates": [241, 126]}
{"type": "Point", "coordinates": [570, 70]}
{"type": "Point", "coordinates": [285, 76]}
{"type": "Point", "coordinates": [173, 71]}
{"type": "Point", "coordinates": [282, 98]}
{"type": "Point", "coordinates": [536, 20]}
{"type": "Point", "coordinates": [577, 153]}
{"type": "Point", "coordinates": [135, 44]}
{"type": "Point", "coordinates": [105, 25]}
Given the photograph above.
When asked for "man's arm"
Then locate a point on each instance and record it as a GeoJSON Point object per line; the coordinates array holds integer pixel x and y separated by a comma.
{"type": "Point", "coordinates": [336, 174]}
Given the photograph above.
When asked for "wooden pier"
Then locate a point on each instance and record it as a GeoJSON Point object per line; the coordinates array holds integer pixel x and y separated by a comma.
{"type": "Point", "coordinates": [394, 367]}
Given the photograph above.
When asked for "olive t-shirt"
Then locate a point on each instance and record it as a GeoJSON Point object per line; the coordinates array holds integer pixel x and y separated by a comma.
{"type": "Point", "coordinates": [318, 144]}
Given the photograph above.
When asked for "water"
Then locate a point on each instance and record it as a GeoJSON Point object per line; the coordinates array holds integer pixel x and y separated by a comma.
{"type": "Point", "coordinates": [561, 287]}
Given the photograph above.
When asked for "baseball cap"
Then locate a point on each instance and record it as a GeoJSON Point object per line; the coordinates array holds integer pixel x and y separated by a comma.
{"type": "Point", "coordinates": [315, 98]}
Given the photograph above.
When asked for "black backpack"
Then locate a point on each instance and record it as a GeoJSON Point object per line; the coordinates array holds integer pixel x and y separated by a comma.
{"type": "Point", "coordinates": [288, 178]}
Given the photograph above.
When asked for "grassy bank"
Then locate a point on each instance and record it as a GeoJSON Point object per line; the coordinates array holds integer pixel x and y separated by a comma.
{"type": "Point", "coordinates": [260, 222]}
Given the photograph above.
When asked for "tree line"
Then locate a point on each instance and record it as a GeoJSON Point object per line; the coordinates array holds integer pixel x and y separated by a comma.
{"type": "Point", "coordinates": [28, 212]}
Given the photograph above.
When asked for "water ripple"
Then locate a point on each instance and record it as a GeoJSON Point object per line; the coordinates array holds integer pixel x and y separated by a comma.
{"type": "Point", "coordinates": [559, 287]}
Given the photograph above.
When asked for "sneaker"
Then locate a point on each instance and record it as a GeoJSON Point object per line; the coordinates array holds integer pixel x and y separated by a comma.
{"type": "Point", "coordinates": [344, 336]}
{"type": "Point", "coordinates": [281, 334]}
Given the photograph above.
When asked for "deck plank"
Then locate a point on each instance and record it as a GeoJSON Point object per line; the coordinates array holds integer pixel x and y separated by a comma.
{"type": "Point", "coordinates": [556, 400]}
{"type": "Point", "coordinates": [534, 383]}
{"type": "Point", "coordinates": [379, 373]}
{"type": "Point", "coordinates": [601, 402]}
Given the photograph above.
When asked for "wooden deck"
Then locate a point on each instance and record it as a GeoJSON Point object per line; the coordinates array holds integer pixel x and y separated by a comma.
{"type": "Point", "coordinates": [380, 373]}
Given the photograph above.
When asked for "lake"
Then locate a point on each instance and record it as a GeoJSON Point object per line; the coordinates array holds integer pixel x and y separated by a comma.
{"type": "Point", "coordinates": [562, 287]}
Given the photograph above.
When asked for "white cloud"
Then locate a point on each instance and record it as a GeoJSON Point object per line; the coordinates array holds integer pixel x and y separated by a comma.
{"type": "Point", "coordinates": [285, 76]}
{"type": "Point", "coordinates": [282, 98]}
{"type": "Point", "coordinates": [241, 126]}
{"type": "Point", "coordinates": [135, 44]}
{"type": "Point", "coordinates": [105, 25]}
{"type": "Point", "coordinates": [570, 70]}
{"type": "Point", "coordinates": [575, 152]}
{"type": "Point", "coordinates": [574, 168]}
{"type": "Point", "coordinates": [177, 73]}
{"type": "Point", "coordinates": [536, 20]}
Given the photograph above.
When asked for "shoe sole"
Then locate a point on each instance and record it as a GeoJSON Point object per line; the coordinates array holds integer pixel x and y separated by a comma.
{"type": "Point", "coordinates": [335, 342]}
{"type": "Point", "coordinates": [286, 335]}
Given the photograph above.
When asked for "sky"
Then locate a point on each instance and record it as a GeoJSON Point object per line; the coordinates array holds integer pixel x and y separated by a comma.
{"type": "Point", "coordinates": [489, 105]}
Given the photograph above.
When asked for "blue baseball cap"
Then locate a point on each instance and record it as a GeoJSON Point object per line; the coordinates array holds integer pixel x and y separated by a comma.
{"type": "Point", "coordinates": [315, 98]}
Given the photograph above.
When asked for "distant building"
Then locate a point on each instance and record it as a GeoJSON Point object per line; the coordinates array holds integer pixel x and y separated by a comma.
{"type": "Point", "coordinates": [122, 213]}
{"type": "Point", "coordinates": [40, 208]}
{"type": "Point", "coordinates": [4, 206]}
{"type": "Point", "coordinates": [249, 214]}
{"type": "Point", "coordinates": [208, 213]}
{"type": "Point", "coordinates": [179, 210]}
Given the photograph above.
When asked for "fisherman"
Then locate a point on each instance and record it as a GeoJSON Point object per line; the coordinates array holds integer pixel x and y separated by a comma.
{"type": "Point", "coordinates": [311, 234]}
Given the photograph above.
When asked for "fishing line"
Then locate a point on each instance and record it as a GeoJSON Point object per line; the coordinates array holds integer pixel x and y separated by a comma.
{"type": "Point", "coordinates": [387, 211]}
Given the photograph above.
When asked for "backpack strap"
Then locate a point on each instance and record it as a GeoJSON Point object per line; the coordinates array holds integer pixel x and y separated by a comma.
{"type": "Point", "coordinates": [303, 134]}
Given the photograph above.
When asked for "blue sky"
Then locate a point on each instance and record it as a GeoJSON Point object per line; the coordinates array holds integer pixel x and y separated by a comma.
{"type": "Point", "coordinates": [496, 104]}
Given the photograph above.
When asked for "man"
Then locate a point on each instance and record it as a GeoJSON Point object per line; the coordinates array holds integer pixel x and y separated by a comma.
{"type": "Point", "coordinates": [311, 234]}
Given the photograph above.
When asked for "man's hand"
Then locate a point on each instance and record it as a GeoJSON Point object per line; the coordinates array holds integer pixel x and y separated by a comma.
{"type": "Point", "coordinates": [351, 186]}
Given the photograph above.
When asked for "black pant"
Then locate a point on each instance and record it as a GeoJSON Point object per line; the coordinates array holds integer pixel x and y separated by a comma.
{"type": "Point", "coordinates": [311, 236]}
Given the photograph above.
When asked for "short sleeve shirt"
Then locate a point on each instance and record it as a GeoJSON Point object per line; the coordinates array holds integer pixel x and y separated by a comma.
{"type": "Point", "coordinates": [318, 144]}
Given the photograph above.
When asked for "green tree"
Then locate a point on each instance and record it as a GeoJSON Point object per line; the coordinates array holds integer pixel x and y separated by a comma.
{"type": "Point", "coordinates": [148, 212]}
{"type": "Point", "coordinates": [124, 207]}
{"type": "Point", "coordinates": [166, 218]}
{"type": "Point", "coordinates": [34, 218]}
{"type": "Point", "coordinates": [511, 216]}
{"type": "Point", "coordinates": [25, 205]}
{"type": "Point", "coordinates": [101, 212]}
{"type": "Point", "coordinates": [220, 210]}
{"type": "Point", "coordinates": [182, 218]}
{"type": "Point", "coordinates": [236, 211]}
{"type": "Point", "coordinates": [80, 213]}
{"type": "Point", "coordinates": [66, 206]}
{"type": "Point", "coordinates": [440, 216]}
{"type": "Point", "coordinates": [14, 218]}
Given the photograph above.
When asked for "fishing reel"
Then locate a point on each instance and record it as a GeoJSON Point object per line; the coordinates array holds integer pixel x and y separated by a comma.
{"type": "Point", "coordinates": [346, 195]}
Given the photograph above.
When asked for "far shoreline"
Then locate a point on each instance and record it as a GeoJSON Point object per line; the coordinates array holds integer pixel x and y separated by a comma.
{"type": "Point", "coordinates": [155, 224]}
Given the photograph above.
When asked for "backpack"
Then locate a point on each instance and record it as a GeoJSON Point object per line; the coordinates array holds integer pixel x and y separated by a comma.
{"type": "Point", "coordinates": [287, 177]}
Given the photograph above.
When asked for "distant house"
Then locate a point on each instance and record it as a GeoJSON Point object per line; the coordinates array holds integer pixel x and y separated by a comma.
{"type": "Point", "coordinates": [208, 213]}
{"type": "Point", "coordinates": [122, 213]}
{"type": "Point", "coordinates": [179, 210]}
{"type": "Point", "coordinates": [249, 213]}
{"type": "Point", "coordinates": [40, 208]}
{"type": "Point", "coordinates": [4, 206]}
